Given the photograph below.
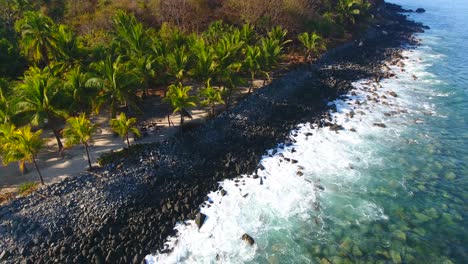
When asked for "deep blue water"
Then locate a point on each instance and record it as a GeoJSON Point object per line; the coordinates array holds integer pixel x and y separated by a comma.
{"type": "Point", "coordinates": [391, 195]}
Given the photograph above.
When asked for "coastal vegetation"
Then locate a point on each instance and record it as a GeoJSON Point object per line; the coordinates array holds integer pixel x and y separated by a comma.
{"type": "Point", "coordinates": [63, 61]}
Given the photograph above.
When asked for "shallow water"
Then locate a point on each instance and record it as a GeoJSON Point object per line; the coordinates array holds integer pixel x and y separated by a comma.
{"type": "Point", "coordinates": [378, 195]}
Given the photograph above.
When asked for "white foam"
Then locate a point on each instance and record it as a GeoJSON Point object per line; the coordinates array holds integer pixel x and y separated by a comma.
{"type": "Point", "coordinates": [333, 160]}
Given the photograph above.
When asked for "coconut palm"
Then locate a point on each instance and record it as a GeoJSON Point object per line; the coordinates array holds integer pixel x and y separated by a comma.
{"type": "Point", "coordinates": [66, 51]}
{"type": "Point", "coordinates": [312, 42]}
{"type": "Point", "coordinates": [7, 103]}
{"type": "Point", "coordinates": [205, 64]}
{"type": "Point", "coordinates": [83, 96]}
{"type": "Point", "coordinates": [180, 99]}
{"type": "Point", "coordinates": [37, 35]}
{"type": "Point", "coordinates": [42, 100]}
{"type": "Point", "coordinates": [252, 63]}
{"type": "Point", "coordinates": [130, 33]}
{"type": "Point", "coordinates": [79, 130]}
{"type": "Point", "coordinates": [116, 83]}
{"type": "Point", "coordinates": [350, 10]}
{"type": "Point", "coordinates": [123, 126]}
{"type": "Point", "coordinates": [178, 61]}
{"type": "Point", "coordinates": [211, 96]}
{"type": "Point", "coordinates": [23, 145]}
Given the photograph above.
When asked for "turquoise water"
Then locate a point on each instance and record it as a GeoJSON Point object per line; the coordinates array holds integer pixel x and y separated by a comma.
{"type": "Point", "coordinates": [393, 194]}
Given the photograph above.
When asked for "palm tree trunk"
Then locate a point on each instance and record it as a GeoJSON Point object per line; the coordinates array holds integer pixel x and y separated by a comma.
{"type": "Point", "coordinates": [38, 171]}
{"type": "Point", "coordinates": [128, 142]}
{"type": "Point", "coordinates": [87, 154]}
{"type": "Point", "coordinates": [181, 120]}
{"type": "Point", "coordinates": [252, 82]}
{"type": "Point", "coordinates": [113, 110]}
{"type": "Point", "coordinates": [57, 137]}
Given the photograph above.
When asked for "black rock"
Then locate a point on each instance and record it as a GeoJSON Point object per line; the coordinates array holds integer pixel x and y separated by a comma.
{"type": "Point", "coordinates": [299, 173]}
{"type": "Point", "coordinates": [420, 10]}
{"type": "Point", "coordinates": [380, 125]}
{"type": "Point", "coordinates": [223, 192]}
{"type": "Point", "coordinates": [200, 219]}
{"type": "Point", "coordinates": [248, 239]}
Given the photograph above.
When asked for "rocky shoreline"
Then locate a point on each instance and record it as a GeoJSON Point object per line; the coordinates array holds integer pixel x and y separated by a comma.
{"type": "Point", "coordinates": [128, 209]}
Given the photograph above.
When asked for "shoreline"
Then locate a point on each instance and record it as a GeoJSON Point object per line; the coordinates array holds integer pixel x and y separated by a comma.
{"type": "Point", "coordinates": [123, 215]}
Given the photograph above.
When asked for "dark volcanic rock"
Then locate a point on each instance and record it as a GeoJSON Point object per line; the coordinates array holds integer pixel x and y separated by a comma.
{"type": "Point", "coordinates": [200, 219]}
{"type": "Point", "coordinates": [248, 239]}
{"type": "Point", "coordinates": [420, 10]}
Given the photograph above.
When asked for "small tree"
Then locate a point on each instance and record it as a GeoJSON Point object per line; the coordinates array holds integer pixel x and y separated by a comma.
{"type": "Point", "coordinates": [181, 101]}
{"type": "Point", "coordinates": [211, 96]}
{"type": "Point", "coordinates": [23, 145]}
{"type": "Point", "coordinates": [79, 130]}
{"type": "Point", "coordinates": [123, 126]}
{"type": "Point", "coordinates": [313, 43]}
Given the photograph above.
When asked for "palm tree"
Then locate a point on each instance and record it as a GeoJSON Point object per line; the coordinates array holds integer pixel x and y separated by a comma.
{"type": "Point", "coordinates": [350, 10]}
{"type": "Point", "coordinates": [66, 51]}
{"type": "Point", "coordinates": [178, 61]}
{"type": "Point", "coordinates": [42, 100]}
{"type": "Point", "coordinates": [116, 82]}
{"type": "Point", "coordinates": [211, 96]}
{"type": "Point", "coordinates": [130, 33]}
{"type": "Point", "coordinates": [313, 43]}
{"type": "Point", "coordinates": [23, 146]}
{"type": "Point", "coordinates": [123, 126]}
{"type": "Point", "coordinates": [205, 64]}
{"type": "Point", "coordinates": [252, 62]}
{"type": "Point", "coordinates": [180, 99]}
{"type": "Point", "coordinates": [7, 103]}
{"type": "Point", "coordinates": [37, 37]}
{"type": "Point", "coordinates": [80, 130]}
{"type": "Point", "coordinates": [83, 96]}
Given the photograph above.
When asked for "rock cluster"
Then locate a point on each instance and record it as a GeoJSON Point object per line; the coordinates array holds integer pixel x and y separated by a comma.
{"type": "Point", "coordinates": [127, 209]}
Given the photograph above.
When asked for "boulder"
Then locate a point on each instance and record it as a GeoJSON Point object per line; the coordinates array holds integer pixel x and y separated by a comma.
{"type": "Point", "coordinates": [420, 10]}
{"type": "Point", "coordinates": [248, 239]}
{"type": "Point", "coordinates": [200, 219]}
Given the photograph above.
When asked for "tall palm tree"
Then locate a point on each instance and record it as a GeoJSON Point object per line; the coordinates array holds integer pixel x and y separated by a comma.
{"type": "Point", "coordinates": [80, 130]}
{"type": "Point", "coordinates": [130, 33]}
{"type": "Point", "coordinates": [84, 97]}
{"type": "Point", "coordinates": [116, 82]}
{"type": "Point", "coordinates": [313, 43]}
{"type": "Point", "coordinates": [211, 96]}
{"type": "Point", "coordinates": [123, 126]}
{"type": "Point", "coordinates": [23, 145]}
{"type": "Point", "coordinates": [37, 38]}
{"type": "Point", "coordinates": [42, 100]}
{"type": "Point", "coordinates": [66, 51]}
{"type": "Point", "coordinates": [180, 99]}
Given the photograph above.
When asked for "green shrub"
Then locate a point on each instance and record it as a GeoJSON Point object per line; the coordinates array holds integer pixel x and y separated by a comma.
{"type": "Point", "coordinates": [27, 188]}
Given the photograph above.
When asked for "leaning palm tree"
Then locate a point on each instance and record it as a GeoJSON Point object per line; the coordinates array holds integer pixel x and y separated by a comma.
{"type": "Point", "coordinates": [123, 126]}
{"type": "Point", "coordinates": [211, 96]}
{"type": "Point", "coordinates": [23, 146]}
{"type": "Point", "coordinates": [180, 99]}
{"type": "Point", "coordinates": [37, 37]}
{"type": "Point", "coordinates": [313, 43]}
{"type": "Point", "coordinates": [79, 130]}
{"type": "Point", "coordinates": [42, 100]}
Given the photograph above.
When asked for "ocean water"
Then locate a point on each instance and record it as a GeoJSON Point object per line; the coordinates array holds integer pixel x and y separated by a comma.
{"type": "Point", "coordinates": [366, 194]}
